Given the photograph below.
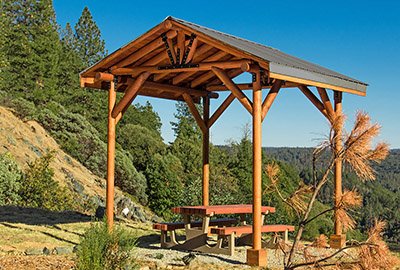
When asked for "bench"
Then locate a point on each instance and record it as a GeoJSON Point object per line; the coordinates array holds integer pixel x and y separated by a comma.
{"type": "Point", "coordinates": [170, 227]}
{"type": "Point", "coordinates": [244, 233]}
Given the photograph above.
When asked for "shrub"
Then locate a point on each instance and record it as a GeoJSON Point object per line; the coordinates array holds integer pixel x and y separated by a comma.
{"type": "Point", "coordinates": [10, 177]}
{"type": "Point", "coordinates": [103, 250]}
{"type": "Point", "coordinates": [39, 189]}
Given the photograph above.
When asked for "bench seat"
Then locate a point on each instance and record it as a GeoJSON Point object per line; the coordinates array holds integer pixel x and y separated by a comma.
{"type": "Point", "coordinates": [172, 226]}
{"type": "Point", "coordinates": [249, 229]}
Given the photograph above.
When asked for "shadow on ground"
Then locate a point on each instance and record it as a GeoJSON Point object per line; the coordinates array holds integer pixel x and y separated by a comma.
{"type": "Point", "coordinates": [35, 216]}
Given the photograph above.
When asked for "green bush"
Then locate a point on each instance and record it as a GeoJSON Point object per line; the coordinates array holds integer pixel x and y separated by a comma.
{"type": "Point", "coordinates": [101, 250]}
{"type": "Point", "coordinates": [40, 190]}
{"type": "Point", "coordinates": [10, 177]}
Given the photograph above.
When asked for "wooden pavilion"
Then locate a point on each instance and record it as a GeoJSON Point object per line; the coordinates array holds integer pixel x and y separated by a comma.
{"type": "Point", "coordinates": [179, 60]}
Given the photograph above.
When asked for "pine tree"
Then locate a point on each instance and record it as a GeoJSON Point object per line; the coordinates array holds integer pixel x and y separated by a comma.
{"type": "Point", "coordinates": [32, 48]}
{"type": "Point", "coordinates": [70, 63]}
{"type": "Point", "coordinates": [89, 44]}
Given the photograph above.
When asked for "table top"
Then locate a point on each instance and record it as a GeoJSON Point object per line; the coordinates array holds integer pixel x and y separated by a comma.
{"type": "Point", "coordinates": [211, 210]}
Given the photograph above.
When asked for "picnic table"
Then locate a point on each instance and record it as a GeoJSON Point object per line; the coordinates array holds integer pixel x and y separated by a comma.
{"type": "Point", "coordinates": [198, 232]}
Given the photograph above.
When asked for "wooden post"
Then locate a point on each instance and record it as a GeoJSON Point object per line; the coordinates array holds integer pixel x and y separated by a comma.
{"type": "Point", "coordinates": [112, 94]}
{"type": "Point", "coordinates": [206, 151]}
{"type": "Point", "coordinates": [256, 256]}
{"type": "Point", "coordinates": [338, 240]}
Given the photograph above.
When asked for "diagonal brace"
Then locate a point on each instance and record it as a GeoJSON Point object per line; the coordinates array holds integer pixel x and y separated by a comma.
{"type": "Point", "coordinates": [269, 99]}
{"type": "Point", "coordinates": [221, 74]}
{"type": "Point", "coordinates": [192, 107]}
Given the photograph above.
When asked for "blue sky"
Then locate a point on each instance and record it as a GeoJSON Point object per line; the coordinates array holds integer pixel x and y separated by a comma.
{"type": "Point", "coordinates": [358, 38]}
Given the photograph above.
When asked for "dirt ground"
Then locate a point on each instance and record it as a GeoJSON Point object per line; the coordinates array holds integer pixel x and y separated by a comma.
{"type": "Point", "coordinates": [43, 262]}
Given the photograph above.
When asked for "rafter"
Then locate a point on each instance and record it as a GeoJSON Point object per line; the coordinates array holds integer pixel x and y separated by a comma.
{"type": "Point", "coordinates": [314, 100]}
{"type": "Point", "coordinates": [130, 94]}
{"type": "Point", "coordinates": [158, 42]}
{"type": "Point", "coordinates": [231, 73]}
{"type": "Point", "coordinates": [224, 105]}
{"type": "Point", "coordinates": [191, 50]}
{"type": "Point", "coordinates": [269, 99]}
{"type": "Point", "coordinates": [192, 107]}
{"type": "Point", "coordinates": [181, 47]}
{"type": "Point", "coordinates": [221, 74]}
{"type": "Point", "coordinates": [247, 86]}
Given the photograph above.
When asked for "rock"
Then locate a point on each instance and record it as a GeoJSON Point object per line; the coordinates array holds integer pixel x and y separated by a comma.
{"type": "Point", "coordinates": [125, 211]}
{"type": "Point", "coordinates": [100, 212]}
{"type": "Point", "coordinates": [34, 251]}
{"type": "Point", "coordinates": [63, 250]}
{"type": "Point", "coordinates": [47, 251]}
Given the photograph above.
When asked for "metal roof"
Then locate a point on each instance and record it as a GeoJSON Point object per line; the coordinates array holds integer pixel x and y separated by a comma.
{"type": "Point", "coordinates": [280, 62]}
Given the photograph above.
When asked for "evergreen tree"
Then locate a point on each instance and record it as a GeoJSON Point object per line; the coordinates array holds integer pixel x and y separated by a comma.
{"type": "Point", "coordinates": [70, 62]}
{"type": "Point", "coordinates": [89, 45]}
{"type": "Point", "coordinates": [32, 48]}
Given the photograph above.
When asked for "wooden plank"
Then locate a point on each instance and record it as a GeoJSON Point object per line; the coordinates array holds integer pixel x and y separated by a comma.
{"type": "Point", "coordinates": [201, 67]}
{"type": "Point", "coordinates": [211, 210]}
{"type": "Point", "coordinates": [327, 103]}
{"type": "Point", "coordinates": [171, 226]}
{"type": "Point", "coordinates": [314, 100]}
{"type": "Point", "coordinates": [314, 83]}
{"type": "Point", "coordinates": [158, 42]}
{"type": "Point", "coordinates": [221, 74]}
{"type": "Point", "coordinates": [247, 229]}
{"type": "Point", "coordinates": [224, 105]}
{"type": "Point", "coordinates": [269, 99]}
{"type": "Point", "coordinates": [183, 76]}
{"type": "Point", "coordinates": [195, 112]}
{"type": "Point", "coordinates": [130, 94]}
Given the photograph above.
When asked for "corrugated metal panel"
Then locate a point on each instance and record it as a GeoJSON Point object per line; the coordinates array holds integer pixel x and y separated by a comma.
{"type": "Point", "coordinates": [281, 62]}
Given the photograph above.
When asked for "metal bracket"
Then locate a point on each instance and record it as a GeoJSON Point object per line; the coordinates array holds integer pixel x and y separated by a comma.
{"type": "Point", "coordinates": [165, 40]}
{"type": "Point", "coordinates": [175, 66]}
{"type": "Point", "coordinates": [192, 37]}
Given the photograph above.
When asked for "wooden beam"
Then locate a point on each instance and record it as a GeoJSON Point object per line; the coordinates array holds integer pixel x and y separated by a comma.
{"type": "Point", "coordinates": [314, 83]}
{"type": "Point", "coordinates": [269, 99]}
{"type": "Point", "coordinates": [158, 42]}
{"type": "Point", "coordinates": [84, 81]}
{"type": "Point", "coordinates": [192, 51]}
{"type": "Point", "coordinates": [130, 48]}
{"type": "Point", "coordinates": [199, 67]}
{"type": "Point", "coordinates": [224, 105]}
{"type": "Point", "coordinates": [171, 50]}
{"type": "Point", "coordinates": [221, 74]}
{"type": "Point", "coordinates": [130, 94]}
{"type": "Point", "coordinates": [206, 151]}
{"type": "Point", "coordinates": [192, 107]}
{"type": "Point", "coordinates": [231, 74]}
{"type": "Point", "coordinates": [338, 173]}
{"type": "Point", "coordinates": [180, 90]}
{"type": "Point", "coordinates": [327, 103]}
{"type": "Point", "coordinates": [110, 158]}
{"type": "Point", "coordinates": [181, 46]}
{"type": "Point", "coordinates": [183, 76]}
{"type": "Point", "coordinates": [165, 95]}
{"type": "Point", "coordinates": [106, 77]}
{"type": "Point", "coordinates": [314, 100]}
{"type": "Point", "coordinates": [257, 162]}
{"type": "Point", "coordinates": [248, 86]}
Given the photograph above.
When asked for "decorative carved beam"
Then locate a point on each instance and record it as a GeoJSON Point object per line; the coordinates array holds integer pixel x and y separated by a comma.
{"type": "Point", "coordinates": [314, 100]}
{"type": "Point", "coordinates": [221, 74]}
{"type": "Point", "coordinates": [269, 99]}
{"type": "Point", "coordinates": [327, 103]}
{"type": "Point", "coordinates": [221, 109]}
{"type": "Point", "coordinates": [130, 94]}
{"type": "Point", "coordinates": [195, 112]}
{"type": "Point", "coordinates": [146, 49]}
{"type": "Point", "coordinates": [186, 68]}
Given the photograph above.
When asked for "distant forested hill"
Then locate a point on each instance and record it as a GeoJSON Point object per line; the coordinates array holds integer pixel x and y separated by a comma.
{"type": "Point", "coordinates": [381, 198]}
